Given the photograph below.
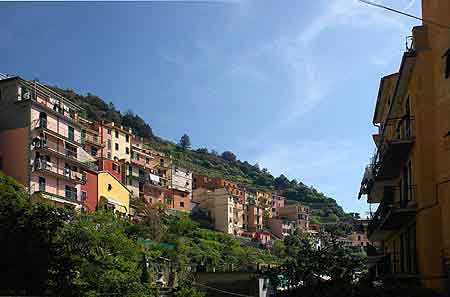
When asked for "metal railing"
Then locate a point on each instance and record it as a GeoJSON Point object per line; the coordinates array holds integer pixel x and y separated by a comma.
{"type": "Point", "coordinates": [57, 148]}
{"type": "Point", "coordinates": [397, 129]}
{"type": "Point", "coordinates": [90, 139]}
{"type": "Point", "coordinates": [394, 198]}
{"type": "Point", "coordinates": [42, 123]}
{"type": "Point", "coordinates": [42, 164]}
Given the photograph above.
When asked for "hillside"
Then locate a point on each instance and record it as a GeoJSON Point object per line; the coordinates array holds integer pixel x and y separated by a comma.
{"type": "Point", "coordinates": [203, 161]}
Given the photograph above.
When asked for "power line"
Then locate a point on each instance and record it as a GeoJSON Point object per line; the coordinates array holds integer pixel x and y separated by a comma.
{"type": "Point", "coordinates": [404, 13]}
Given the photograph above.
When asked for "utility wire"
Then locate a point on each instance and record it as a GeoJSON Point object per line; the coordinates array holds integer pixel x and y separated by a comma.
{"type": "Point", "coordinates": [405, 14]}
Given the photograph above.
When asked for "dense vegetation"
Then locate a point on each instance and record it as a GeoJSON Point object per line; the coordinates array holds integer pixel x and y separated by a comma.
{"type": "Point", "coordinates": [211, 163]}
{"type": "Point", "coordinates": [56, 252]}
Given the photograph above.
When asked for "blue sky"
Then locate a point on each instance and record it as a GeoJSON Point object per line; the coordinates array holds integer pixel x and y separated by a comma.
{"type": "Point", "coordinates": [290, 85]}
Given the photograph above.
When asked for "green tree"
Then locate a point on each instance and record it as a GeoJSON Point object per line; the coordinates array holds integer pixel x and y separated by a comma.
{"type": "Point", "coordinates": [105, 260]}
{"type": "Point", "coordinates": [229, 156]}
{"type": "Point", "coordinates": [27, 236]}
{"type": "Point", "coordinates": [279, 249]}
{"type": "Point", "coordinates": [185, 142]}
{"type": "Point", "coordinates": [188, 292]}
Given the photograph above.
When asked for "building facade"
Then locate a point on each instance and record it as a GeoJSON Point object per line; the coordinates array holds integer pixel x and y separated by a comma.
{"type": "Point", "coordinates": [298, 213]}
{"type": "Point", "coordinates": [409, 174]}
{"type": "Point", "coordinates": [222, 207]}
{"type": "Point", "coordinates": [40, 145]}
{"type": "Point", "coordinates": [112, 194]}
{"type": "Point", "coordinates": [115, 140]}
{"type": "Point", "coordinates": [281, 227]}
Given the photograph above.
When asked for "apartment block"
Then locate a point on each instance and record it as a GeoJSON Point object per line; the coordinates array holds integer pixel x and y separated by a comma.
{"type": "Point", "coordinates": [254, 217]}
{"type": "Point", "coordinates": [89, 191]}
{"type": "Point", "coordinates": [89, 137]}
{"type": "Point", "coordinates": [298, 213]}
{"type": "Point", "coordinates": [201, 181]}
{"type": "Point", "coordinates": [41, 144]}
{"type": "Point", "coordinates": [222, 207]}
{"type": "Point", "coordinates": [281, 227]}
{"type": "Point", "coordinates": [277, 203]}
{"type": "Point", "coordinates": [181, 180]}
{"type": "Point", "coordinates": [116, 141]}
{"type": "Point", "coordinates": [409, 174]}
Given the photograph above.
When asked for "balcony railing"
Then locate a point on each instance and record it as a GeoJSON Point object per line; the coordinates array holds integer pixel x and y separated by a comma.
{"type": "Point", "coordinates": [395, 141]}
{"type": "Point", "coordinates": [396, 208]}
{"type": "Point", "coordinates": [63, 152]}
{"type": "Point", "coordinates": [40, 164]}
{"type": "Point", "coordinates": [92, 140]}
{"type": "Point", "coordinates": [42, 124]}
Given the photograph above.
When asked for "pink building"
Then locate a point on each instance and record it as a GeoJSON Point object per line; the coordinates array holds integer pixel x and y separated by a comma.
{"type": "Point", "coordinates": [254, 217]}
{"type": "Point", "coordinates": [281, 227]}
{"type": "Point", "coordinates": [40, 141]}
{"type": "Point", "coordinates": [277, 203]}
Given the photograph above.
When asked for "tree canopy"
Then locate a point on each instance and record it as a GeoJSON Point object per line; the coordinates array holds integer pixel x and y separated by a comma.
{"type": "Point", "coordinates": [185, 142]}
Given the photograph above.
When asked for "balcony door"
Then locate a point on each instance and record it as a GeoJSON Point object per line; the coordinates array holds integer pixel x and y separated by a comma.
{"type": "Point", "coordinates": [406, 190]}
{"type": "Point", "coordinates": [42, 120]}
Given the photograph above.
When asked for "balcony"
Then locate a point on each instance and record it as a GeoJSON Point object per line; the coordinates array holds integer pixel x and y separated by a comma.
{"type": "Point", "coordinates": [91, 139]}
{"type": "Point", "coordinates": [397, 139]}
{"type": "Point", "coordinates": [70, 199]}
{"type": "Point", "coordinates": [64, 152]}
{"type": "Point", "coordinates": [41, 125]}
{"type": "Point", "coordinates": [41, 165]}
{"type": "Point", "coordinates": [392, 214]}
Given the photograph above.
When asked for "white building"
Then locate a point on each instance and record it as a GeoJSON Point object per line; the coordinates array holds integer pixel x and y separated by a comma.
{"type": "Point", "coordinates": [181, 180]}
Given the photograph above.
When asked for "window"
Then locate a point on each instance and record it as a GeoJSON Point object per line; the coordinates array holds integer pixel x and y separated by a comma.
{"type": "Point", "coordinates": [181, 204]}
{"type": "Point", "coordinates": [94, 151]}
{"type": "Point", "coordinates": [109, 155]}
{"type": "Point", "coordinates": [127, 138]}
{"type": "Point", "coordinates": [71, 133]}
{"type": "Point", "coordinates": [109, 144]}
{"type": "Point", "coordinates": [41, 184]}
{"type": "Point", "coordinates": [42, 120]}
{"type": "Point", "coordinates": [127, 150]}
{"type": "Point", "coordinates": [71, 193]}
{"type": "Point", "coordinates": [83, 196]}
{"type": "Point", "coordinates": [117, 133]}
{"type": "Point", "coordinates": [114, 167]}
{"type": "Point", "coordinates": [109, 187]}
{"type": "Point", "coordinates": [117, 146]}
{"type": "Point", "coordinates": [83, 135]}
{"type": "Point", "coordinates": [109, 131]}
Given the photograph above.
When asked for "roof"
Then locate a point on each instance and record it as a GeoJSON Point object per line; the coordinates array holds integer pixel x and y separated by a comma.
{"type": "Point", "coordinates": [380, 93]}
{"type": "Point", "coordinates": [401, 75]}
{"type": "Point", "coordinates": [106, 172]}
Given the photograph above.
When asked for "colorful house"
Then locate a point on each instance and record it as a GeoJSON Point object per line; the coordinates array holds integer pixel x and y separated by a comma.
{"type": "Point", "coordinates": [112, 194]}
{"type": "Point", "coordinates": [40, 145]}
{"type": "Point", "coordinates": [409, 174]}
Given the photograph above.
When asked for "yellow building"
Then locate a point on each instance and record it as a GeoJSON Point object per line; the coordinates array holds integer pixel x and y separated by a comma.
{"type": "Point", "coordinates": [113, 194]}
{"type": "Point", "coordinates": [410, 173]}
{"type": "Point", "coordinates": [263, 198]}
